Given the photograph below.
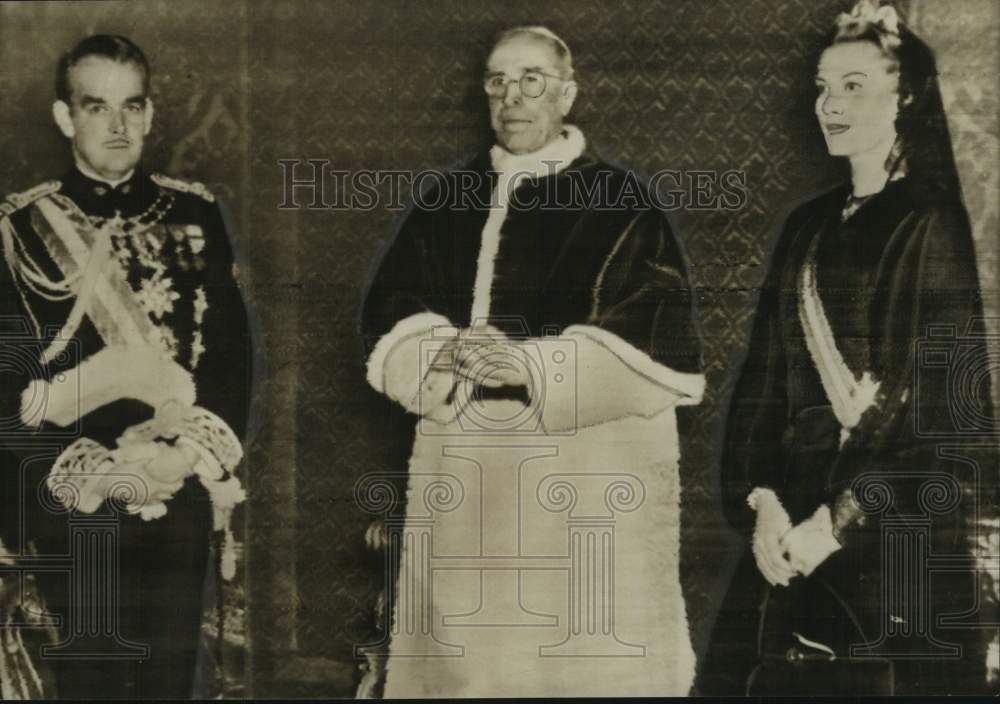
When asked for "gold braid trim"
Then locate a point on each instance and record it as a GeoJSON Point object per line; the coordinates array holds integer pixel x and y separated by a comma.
{"type": "Point", "coordinates": [16, 201]}
{"type": "Point", "coordinates": [177, 184]}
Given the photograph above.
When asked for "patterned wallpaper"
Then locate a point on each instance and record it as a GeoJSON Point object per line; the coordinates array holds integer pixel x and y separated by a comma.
{"type": "Point", "coordinates": [200, 132]}
{"type": "Point", "coordinates": [680, 84]}
{"type": "Point", "coordinates": [969, 36]}
{"type": "Point", "coordinates": [687, 85]}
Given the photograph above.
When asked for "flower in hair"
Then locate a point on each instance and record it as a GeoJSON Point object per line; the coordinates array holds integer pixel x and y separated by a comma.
{"type": "Point", "coordinates": [884, 17]}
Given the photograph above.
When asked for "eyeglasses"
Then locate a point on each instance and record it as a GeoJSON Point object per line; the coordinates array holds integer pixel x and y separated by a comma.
{"type": "Point", "coordinates": [531, 83]}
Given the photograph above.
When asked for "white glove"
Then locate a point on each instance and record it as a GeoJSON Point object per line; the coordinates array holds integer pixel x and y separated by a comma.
{"type": "Point", "coordinates": [143, 475]}
{"type": "Point", "coordinates": [810, 542]}
{"type": "Point", "coordinates": [772, 523]}
{"type": "Point", "coordinates": [161, 470]}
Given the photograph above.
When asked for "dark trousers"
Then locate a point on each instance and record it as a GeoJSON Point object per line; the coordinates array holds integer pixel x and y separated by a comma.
{"type": "Point", "coordinates": [161, 572]}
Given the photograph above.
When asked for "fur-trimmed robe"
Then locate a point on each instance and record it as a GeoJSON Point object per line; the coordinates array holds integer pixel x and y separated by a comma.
{"type": "Point", "coordinates": [600, 301]}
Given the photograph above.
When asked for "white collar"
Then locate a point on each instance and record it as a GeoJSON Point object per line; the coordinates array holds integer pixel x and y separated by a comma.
{"type": "Point", "coordinates": [550, 159]}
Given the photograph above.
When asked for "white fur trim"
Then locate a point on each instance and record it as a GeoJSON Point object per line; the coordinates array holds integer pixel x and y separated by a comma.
{"type": "Point", "coordinates": [400, 379]}
{"type": "Point", "coordinates": [512, 170]}
{"type": "Point", "coordinates": [417, 325]}
{"type": "Point", "coordinates": [552, 158]}
{"type": "Point", "coordinates": [499, 514]}
{"type": "Point", "coordinates": [486, 262]}
{"type": "Point", "coordinates": [690, 386]}
{"type": "Point", "coordinates": [114, 373]}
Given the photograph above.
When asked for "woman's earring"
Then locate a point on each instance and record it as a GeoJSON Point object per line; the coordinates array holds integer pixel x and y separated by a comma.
{"type": "Point", "coordinates": [895, 164]}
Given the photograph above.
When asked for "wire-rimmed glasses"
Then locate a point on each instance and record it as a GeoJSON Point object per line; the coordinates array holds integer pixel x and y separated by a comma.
{"type": "Point", "coordinates": [531, 83]}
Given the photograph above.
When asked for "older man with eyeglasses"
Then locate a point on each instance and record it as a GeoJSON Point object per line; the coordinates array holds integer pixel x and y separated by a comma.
{"type": "Point", "coordinates": [529, 82]}
{"type": "Point", "coordinates": [541, 325]}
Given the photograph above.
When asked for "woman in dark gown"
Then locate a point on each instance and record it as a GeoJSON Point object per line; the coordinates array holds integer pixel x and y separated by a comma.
{"type": "Point", "coordinates": [853, 462]}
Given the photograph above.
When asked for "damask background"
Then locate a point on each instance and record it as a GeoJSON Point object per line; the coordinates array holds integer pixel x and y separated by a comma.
{"type": "Point", "coordinates": [201, 131]}
{"type": "Point", "coordinates": [678, 84]}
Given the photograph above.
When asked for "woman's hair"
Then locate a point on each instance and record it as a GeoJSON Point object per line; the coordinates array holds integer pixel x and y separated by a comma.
{"type": "Point", "coordinates": [923, 146]}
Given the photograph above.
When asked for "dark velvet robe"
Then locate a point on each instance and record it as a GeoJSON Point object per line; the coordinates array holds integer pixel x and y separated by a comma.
{"type": "Point", "coordinates": [899, 284]}
{"type": "Point", "coordinates": [163, 562]}
{"type": "Point", "coordinates": [547, 265]}
{"type": "Point", "coordinates": [610, 284]}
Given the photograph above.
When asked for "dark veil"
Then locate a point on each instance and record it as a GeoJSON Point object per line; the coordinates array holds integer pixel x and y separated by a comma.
{"type": "Point", "coordinates": [923, 147]}
{"type": "Point", "coordinates": [922, 124]}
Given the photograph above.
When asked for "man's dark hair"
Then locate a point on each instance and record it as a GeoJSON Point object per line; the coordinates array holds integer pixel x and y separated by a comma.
{"type": "Point", "coordinates": [110, 46]}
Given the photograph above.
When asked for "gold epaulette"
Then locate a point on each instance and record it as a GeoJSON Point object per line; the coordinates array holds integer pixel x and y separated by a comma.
{"type": "Point", "coordinates": [185, 186]}
{"type": "Point", "coordinates": [16, 201]}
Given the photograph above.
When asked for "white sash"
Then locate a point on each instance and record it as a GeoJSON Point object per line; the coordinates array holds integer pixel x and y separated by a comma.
{"type": "Point", "coordinates": [849, 396]}
{"type": "Point", "coordinates": [103, 293]}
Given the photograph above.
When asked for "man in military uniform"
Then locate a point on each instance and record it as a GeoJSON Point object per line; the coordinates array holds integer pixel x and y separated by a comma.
{"type": "Point", "coordinates": [124, 354]}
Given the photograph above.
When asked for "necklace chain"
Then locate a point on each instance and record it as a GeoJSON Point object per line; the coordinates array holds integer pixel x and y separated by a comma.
{"type": "Point", "coordinates": [135, 224]}
{"type": "Point", "coordinates": [853, 205]}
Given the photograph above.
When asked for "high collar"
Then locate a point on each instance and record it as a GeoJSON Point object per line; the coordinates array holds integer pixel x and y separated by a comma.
{"type": "Point", "coordinates": [550, 159]}
{"type": "Point", "coordinates": [94, 197]}
{"type": "Point", "coordinates": [82, 168]}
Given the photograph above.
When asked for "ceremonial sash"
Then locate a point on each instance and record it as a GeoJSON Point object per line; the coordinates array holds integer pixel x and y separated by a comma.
{"type": "Point", "coordinates": [104, 294]}
{"type": "Point", "coordinates": [848, 395]}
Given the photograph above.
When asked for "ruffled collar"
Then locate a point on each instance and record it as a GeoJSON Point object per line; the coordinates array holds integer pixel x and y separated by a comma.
{"type": "Point", "coordinates": [552, 158]}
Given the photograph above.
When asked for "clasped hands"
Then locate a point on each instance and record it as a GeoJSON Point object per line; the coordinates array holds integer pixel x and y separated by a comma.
{"type": "Point", "coordinates": [160, 467]}
{"type": "Point", "coordinates": [143, 471]}
{"type": "Point", "coordinates": [475, 357]}
{"type": "Point", "coordinates": [141, 475]}
{"type": "Point", "coordinates": [783, 551]}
